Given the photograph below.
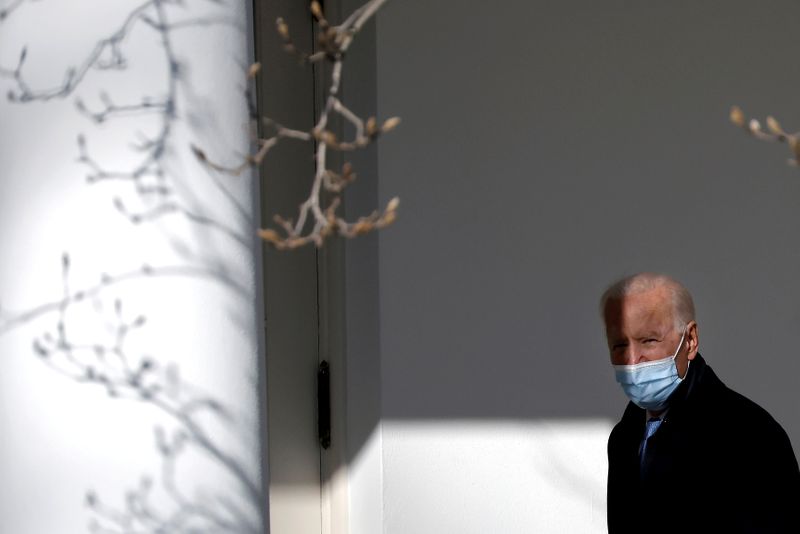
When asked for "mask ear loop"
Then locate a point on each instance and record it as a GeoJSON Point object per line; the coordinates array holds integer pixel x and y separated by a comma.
{"type": "Point", "coordinates": [675, 357]}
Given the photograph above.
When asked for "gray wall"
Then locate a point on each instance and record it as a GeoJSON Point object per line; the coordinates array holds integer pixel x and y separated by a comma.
{"type": "Point", "coordinates": [549, 147]}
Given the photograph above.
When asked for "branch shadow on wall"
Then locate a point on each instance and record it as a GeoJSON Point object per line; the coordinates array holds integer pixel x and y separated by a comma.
{"type": "Point", "coordinates": [195, 418]}
{"type": "Point", "coordinates": [151, 192]}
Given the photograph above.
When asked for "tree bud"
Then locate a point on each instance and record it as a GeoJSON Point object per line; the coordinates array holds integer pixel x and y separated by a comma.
{"type": "Point", "coordinates": [774, 126]}
{"type": "Point", "coordinates": [737, 117]}
{"type": "Point", "coordinates": [390, 124]}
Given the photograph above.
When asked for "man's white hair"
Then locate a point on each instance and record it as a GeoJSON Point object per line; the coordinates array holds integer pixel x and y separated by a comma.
{"type": "Point", "coordinates": [682, 303]}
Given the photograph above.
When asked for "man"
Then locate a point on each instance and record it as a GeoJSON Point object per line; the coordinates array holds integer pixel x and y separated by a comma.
{"type": "Point", "coordinates": [689, 454]}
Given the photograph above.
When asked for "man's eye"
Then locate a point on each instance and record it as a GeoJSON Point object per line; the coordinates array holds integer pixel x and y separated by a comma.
{"type": "Point", "coordinates": [651, 340]}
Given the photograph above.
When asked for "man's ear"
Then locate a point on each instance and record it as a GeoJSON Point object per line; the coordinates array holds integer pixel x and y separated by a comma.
{"type": "Point", "coordinates": [692, 340]}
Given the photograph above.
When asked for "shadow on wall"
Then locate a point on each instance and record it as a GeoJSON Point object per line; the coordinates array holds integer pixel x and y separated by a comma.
{"type": "Point", "coordinates": [198, 423]}
{"type": "Point", "coordinates": [567, 163]}
{"type": "Point", "coordinates": [89, 336]}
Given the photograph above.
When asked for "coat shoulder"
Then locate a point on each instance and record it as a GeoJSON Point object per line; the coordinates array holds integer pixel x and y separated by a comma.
{"type": "Point", "coordinates": [733, 405]}
{"type": "Point", "coordinates": [753, 427]}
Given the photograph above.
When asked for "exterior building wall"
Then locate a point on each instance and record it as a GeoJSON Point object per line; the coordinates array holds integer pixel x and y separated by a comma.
{"type": "Point", "coordinates": [130, 380]}
{"type": "Point", "coordinates": [546, 149]}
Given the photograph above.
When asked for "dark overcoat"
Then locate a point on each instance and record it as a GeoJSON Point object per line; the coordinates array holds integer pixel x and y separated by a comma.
{"type": "Point", "coordinates": [718, 463]}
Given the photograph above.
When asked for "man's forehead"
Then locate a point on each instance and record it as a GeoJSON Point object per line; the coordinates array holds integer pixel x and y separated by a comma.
{"type": "Point", "coordinates": [655, 328]}
{"type": "Point", "coordinates": [657, 298]}
{"type": "Point", "coordinates": [643, 309]}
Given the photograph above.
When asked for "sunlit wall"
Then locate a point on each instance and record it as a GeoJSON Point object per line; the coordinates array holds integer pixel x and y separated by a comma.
{"type": "Point", "coordinates": [499, 476]}
{"type": "Point", "coordinates": [128, 333]}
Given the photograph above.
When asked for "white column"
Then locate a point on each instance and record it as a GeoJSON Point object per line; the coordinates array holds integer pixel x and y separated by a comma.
{"type": "Point", "coordinates": [129, 372]}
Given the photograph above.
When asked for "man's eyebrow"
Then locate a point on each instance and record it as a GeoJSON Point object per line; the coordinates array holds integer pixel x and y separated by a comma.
{"type": "Point", "coordinates": [619, 338]}
{"type": "Point", "coordinates": [651, 333]}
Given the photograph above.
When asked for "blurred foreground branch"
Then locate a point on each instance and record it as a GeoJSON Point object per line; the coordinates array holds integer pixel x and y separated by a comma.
{"type": "Point", "coordinates": [773, 133]}
{"type": "Point", "coordinates": [316, 218]}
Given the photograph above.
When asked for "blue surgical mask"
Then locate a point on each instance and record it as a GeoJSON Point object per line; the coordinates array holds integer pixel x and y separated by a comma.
{"type": "Point", "coordinates": [650, 384]}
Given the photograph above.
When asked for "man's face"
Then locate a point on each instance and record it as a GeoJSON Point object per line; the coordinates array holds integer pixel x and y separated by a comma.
{"type": "Point", "coordinates": [640, 327]}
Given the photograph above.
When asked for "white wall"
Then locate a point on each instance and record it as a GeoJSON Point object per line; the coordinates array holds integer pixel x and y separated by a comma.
{"type": "Point", "coordinates": [64, 436]}
{"type": "Point", "coordinates": [501, 476]}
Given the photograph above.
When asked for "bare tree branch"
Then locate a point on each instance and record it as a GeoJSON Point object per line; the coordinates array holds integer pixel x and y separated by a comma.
{"type": "Point", "coordinates": [774, 132]}
{"type": "Point", "coordinates": [315, 220]}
